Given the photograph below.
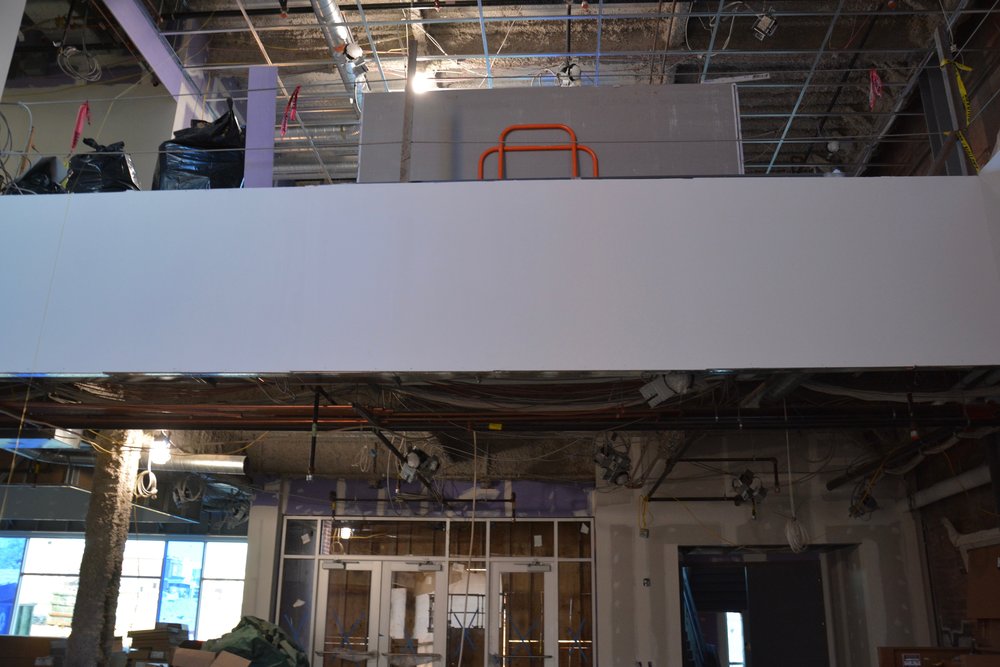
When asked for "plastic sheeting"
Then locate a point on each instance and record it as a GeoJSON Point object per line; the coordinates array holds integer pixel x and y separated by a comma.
{"type": "Point", "coordinates": [263, 643]}
{"type": "Point", "coordinates": [42, 179]}
{"type": "Point", "coordinates": [204, 156]}
{"type": "Point", "coordinates": [108, 169]}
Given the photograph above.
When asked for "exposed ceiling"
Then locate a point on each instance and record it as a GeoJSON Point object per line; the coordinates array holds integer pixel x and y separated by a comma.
{"type": "Point", "coordinates": [806, 109]}
{"type": "Point", "coordinates": [520, 426]}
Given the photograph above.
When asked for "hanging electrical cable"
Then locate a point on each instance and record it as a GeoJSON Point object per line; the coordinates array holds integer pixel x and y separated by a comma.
{"type": "Point", "coordinates": [472, 542]}
{"type": "Point", "coordinates": [145, 483]}
{"type": "Point", "coordinates": [795, 532]}
{"type": "Point", "coordinates": [78, 63]}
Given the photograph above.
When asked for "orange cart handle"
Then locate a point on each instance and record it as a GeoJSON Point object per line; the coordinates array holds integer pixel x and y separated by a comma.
{"type": "Point", "coordinates": [573, 147]}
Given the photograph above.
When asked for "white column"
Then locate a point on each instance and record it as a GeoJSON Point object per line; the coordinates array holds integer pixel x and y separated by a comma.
{"type": "Point", "coordinates": [11, 12]}
{"type": "Point", "coordinates": [263, 531]}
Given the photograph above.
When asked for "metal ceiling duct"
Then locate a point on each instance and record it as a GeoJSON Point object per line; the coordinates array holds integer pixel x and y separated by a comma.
{"type": "Point", "coordinates": [337, 38]}
{"type": "Point", "coordinates": [217, 464]}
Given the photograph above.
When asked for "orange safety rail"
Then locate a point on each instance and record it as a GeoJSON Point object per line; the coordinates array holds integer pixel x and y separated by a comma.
{"type": "Point", "coordinates": [573, 147]}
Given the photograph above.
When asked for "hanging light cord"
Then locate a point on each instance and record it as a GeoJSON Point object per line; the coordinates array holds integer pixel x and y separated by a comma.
{"type": "Point", "coordinates": [795, 532]}
{"type": "Point", "coordinates": [145, 483]}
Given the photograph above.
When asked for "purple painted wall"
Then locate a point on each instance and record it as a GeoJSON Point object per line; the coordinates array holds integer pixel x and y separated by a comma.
{"type": "Point", "coordinates": [358, 498]}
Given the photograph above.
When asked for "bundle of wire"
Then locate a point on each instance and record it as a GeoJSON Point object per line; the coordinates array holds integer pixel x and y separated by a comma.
{"type": "Point", "coordinates": [78, 63]}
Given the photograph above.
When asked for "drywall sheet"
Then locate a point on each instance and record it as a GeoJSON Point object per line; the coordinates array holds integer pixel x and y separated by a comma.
{"type": "Point", "coordinates": [521, 276]}
{"type": "Point", "coordinates": [636, 131]}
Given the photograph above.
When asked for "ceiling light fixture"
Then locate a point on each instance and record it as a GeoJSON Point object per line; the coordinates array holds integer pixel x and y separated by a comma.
{"type": "Point", "coordinates": [159, 449]}
{"type": "Point", "coordinates": [569, 75]}
{"type": "Point", "coordinates": [417, 463]}
{"type": "Point", "coordinates": [749, 490]}
{"type": "Point", "coordinates": [615, 464]}
{"type": "Point", "coordinates": [765, 25]}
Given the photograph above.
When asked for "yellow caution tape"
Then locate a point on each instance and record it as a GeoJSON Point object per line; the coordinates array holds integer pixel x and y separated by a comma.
{"type": "Point", "coordinates": [962, 91]}
{"type": "Point", "coordinates": [964, 94]}
{"type": "Point", "coordinates": [968, 150]}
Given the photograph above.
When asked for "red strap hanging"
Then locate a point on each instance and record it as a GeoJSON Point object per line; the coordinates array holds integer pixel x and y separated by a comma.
{"type": "Point", "coordinates": [82, 114]}
{"type": "Point", "coordinates": [874, 88]}
{"type": "Point", "coordinates": [290, 109]}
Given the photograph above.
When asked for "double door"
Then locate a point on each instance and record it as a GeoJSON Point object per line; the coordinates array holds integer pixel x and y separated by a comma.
{"type": "Point", "coordinates": [400, 614]}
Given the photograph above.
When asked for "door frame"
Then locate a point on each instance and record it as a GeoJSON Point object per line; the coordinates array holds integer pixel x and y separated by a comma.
{"type": "Point", "coordinates": [550, 609]}
{"type": "Point", "coordinates": [379, 605]}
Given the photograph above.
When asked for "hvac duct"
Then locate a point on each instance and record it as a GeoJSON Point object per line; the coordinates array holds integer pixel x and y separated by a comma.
{"type": "Point", "coordinates": [217, 464]}
{"type": "Point", "coordinates": [970, 479]}
{"type": "Point", "coordinates": [337, 38]}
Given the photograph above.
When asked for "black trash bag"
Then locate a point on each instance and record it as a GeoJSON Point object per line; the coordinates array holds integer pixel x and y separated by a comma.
{"type": "Point", "coordinates": [197, 158]}
{"type": "Point", "coordinates": [42, 179]}
{"type": "Point", "coordinates": [263, 643]}
{"type": "Point", "coordinates": [108, 169]}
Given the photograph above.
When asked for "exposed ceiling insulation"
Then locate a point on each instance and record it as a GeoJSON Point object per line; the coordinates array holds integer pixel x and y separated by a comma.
{"type": "Point", "coordinates": [805, 89]}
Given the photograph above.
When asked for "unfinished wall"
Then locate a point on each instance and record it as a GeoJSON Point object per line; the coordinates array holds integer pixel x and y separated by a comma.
{"type": "Point", "coordinates": [141, 115]}
{"type": "Point", "coordinates": [636, 131]}
{"type": "Point", "coordinates": [880, 579]}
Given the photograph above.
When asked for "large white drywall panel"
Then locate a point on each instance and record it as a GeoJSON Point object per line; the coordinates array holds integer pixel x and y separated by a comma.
{"type": "Point", "coordinates": [636, 131]}
{"type": "Point", "coordinates": [140, 115]}
{"type": "Point", "coordinates": [532, 275]}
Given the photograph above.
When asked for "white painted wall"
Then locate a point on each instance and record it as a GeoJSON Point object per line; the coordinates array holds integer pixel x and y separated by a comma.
{"type": "Point", "coordinates": [140, 115]}
{"type": "Point", "coordinates": [562, 275]}
{"type": "Point", "coordinates": [879, 584]}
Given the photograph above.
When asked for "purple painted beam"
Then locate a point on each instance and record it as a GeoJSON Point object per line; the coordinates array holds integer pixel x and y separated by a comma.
{"type": "Point", "coordinates": [262, 96]}
{"type": "Point", "coordinates": [132, 17]}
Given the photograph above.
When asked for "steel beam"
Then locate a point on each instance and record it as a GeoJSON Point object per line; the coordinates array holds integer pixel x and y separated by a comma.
{"type": "Point", "coordinates": [139, 27]}
{"type": "Point", "coordinates": [903, 97]}
{"type": "Point", "coordinates": [805, 85]}
{"type": "Point", "coordinates": [486, 46]}
{"type": "Point", "coordinates": [711, 42]}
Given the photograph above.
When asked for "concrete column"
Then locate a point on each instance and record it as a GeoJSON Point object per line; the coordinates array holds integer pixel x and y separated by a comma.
{"type": "Point", "coordinates": [101, 569]}
{"type": "Point", "coordinates": [11, 12]}
{"type": "Point", "coordinates": [263, 533]}
{"type": "Point", "coordinates": [258, 167]}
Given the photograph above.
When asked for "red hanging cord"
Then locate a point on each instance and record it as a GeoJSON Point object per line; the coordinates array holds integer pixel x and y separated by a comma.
{"type": "Point", "coordinates": [290, 110]}
{"type": "Point", "coordinates": [82, 114]}
{"type": "Point", "coordinates": [874, 88]}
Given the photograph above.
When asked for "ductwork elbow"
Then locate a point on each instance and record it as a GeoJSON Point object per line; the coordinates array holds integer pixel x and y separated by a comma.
{"type": "Point", "coordinates": [337, 38]}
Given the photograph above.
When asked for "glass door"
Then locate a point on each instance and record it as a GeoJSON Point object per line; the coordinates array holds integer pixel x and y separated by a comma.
{"type": "Point", "coordinates": [380, 614]}
{"type": "Point", "coordinates": [523, 609]}
{"type": "Point", "coordinates": [347, 629]}
{"type": "Point", "coordinates": [413, 614]}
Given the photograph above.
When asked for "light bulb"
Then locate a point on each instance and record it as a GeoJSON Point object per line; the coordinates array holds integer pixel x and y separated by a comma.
{"type": "Point", "coordinates": [159, 451]}
{"type": "Point", "coordinates": [346, 532]}
{"type": "Point", "coordinates": [422, 82]}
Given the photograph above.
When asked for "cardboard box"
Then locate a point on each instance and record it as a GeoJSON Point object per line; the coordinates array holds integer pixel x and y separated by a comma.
{"type": "Point", "coordinates": [227, 659]}
{"type": "Point", "coordinates": [186, 657]}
